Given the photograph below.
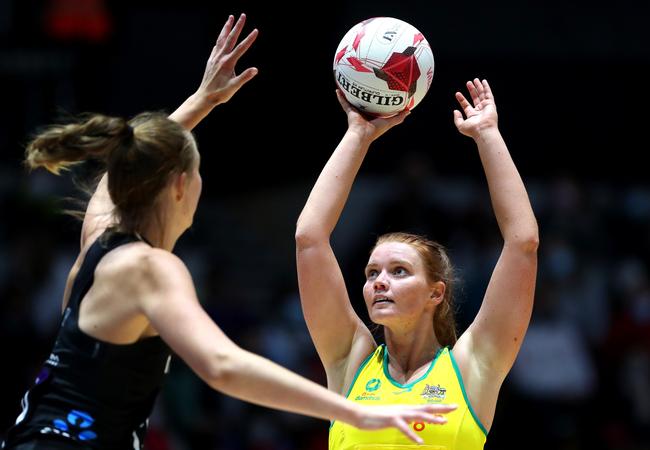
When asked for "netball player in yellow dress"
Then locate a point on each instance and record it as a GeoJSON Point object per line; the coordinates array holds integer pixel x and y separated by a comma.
{"type": "Point", "coordinates": [408, 292]}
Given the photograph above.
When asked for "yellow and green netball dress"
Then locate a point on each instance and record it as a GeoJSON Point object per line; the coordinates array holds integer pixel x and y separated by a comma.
{"type": "Point", "coordinates": [442, 383]}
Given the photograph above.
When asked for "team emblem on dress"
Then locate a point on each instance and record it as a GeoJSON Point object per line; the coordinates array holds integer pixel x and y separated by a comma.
{"type": "Point", "coordinates": [434, 392]}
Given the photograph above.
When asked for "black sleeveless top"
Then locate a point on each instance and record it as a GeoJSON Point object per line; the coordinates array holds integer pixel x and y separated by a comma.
{"type": "Point", "coordinates": [92, 394]}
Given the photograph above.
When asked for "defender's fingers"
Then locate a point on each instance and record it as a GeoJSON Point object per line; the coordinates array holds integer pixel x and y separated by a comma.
{"type": "Point", "coordinates": [234, 33]}
{"type": "Point", "coordinates": [406, 429]}
{"type": "Point", "coordinates": [429, 418]}
{"type": "Point", "coordinates": [440, 409]}
{"type": "Point", "coordinates": [244, 77]}
{"type": "Point", "coordinates": [224, 31]}
{"type": "Point", "coordinates": [244, 45]}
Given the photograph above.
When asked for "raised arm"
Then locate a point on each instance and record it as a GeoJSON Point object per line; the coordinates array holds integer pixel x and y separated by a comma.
{"type": "Point", "coordinates": [168, 300]}
{"type": "Point", "coordinates": [495, 336]}
{"type": "Point", "coordinates": [341, 338]}
{"type": "Point", "coordinates": [220, 82]}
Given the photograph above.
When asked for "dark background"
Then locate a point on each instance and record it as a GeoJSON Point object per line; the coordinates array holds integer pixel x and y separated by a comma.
{"type": "Point", "coordinates": [570, 84]}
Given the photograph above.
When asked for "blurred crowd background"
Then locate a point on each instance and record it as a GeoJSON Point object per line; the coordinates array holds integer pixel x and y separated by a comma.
{"type": "Point", "coordinates": [569, 80]}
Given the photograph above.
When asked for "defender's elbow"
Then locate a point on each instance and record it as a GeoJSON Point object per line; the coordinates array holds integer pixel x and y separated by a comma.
{"type": "Point", "coordinates": [219, 370]}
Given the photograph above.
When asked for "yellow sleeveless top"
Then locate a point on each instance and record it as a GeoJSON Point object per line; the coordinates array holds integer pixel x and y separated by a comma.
{"type": "Point", "coordinates": [442, 383]}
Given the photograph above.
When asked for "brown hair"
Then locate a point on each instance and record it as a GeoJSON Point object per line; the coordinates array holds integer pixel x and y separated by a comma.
{"type": "Point", "coordinates": [140, 155]}
{"type": "Point", "coordinates": [438, 268]}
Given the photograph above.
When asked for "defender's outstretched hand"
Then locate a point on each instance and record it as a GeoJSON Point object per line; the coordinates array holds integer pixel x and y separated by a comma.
{"type": "Point", "coordinates": [368, 129]}
{"type": "Point", "coordinates": [481, 114]}
{"type": "Point", "coordinates": [399, 416]}
{"type": "Point", "coordinates": [220, 81]}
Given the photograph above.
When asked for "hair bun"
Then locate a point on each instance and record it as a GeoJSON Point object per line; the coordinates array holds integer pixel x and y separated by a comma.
{"type": "Point", "coordinates": [128, 133]}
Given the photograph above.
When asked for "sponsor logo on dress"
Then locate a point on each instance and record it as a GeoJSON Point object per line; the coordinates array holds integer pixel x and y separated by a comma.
{"type": "Point", "coordinates": [369, 394]}
{"type": "Point", "coordinates": [75, 426]}
{"type": "Point", "coordinates": [373, 385]}
{"type": "Point", "coordinates": [53, 360]}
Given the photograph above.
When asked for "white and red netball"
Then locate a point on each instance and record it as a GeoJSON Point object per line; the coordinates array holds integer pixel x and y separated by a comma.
{"type": "Point", "coordinates": [383, 66]}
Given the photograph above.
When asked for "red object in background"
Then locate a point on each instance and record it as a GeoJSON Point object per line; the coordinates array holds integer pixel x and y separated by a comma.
{"type": "Point", "coordinates": [86, 20]}
{"type": "Point", "coordinates": [156, 440]}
